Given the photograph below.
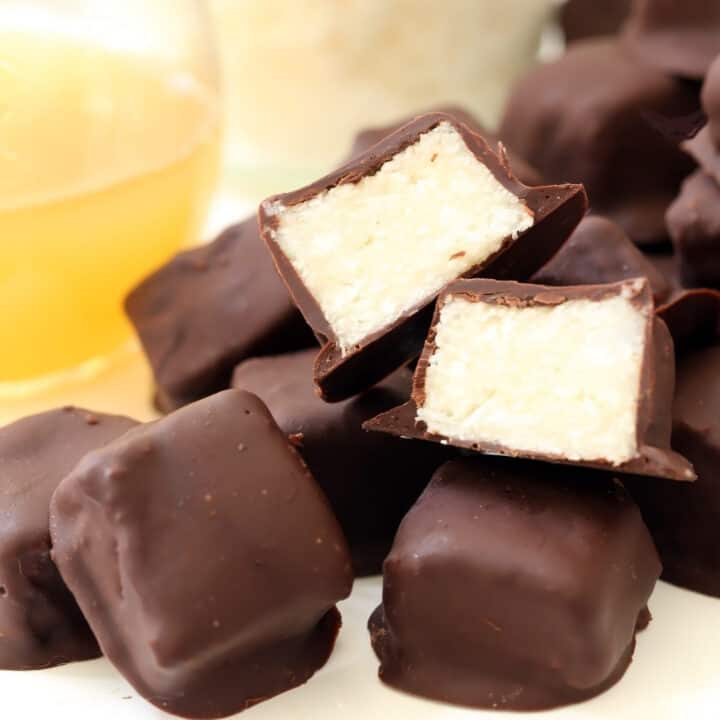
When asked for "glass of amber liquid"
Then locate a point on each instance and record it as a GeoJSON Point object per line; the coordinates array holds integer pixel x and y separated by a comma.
{"type": "Point", "coordinates": [109, 138]}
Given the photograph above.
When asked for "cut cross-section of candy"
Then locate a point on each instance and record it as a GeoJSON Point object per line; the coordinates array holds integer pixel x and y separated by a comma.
{"type": "Point", "coordinates": [365, 250]}
{"type": "Point", "coordinates": [581, 375]}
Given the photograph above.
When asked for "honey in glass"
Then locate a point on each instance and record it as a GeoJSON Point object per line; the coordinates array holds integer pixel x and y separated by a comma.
{"type": "Point", "coordinates": [108, 158]}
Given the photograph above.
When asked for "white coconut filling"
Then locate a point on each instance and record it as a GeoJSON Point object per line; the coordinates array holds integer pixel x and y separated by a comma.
{"type": "Point", "coordinates": [562, 380]}
{"type": "Point", "coordinates": [371, 251]}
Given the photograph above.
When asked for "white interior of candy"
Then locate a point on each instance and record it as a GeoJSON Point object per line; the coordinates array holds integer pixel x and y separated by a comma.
{"type": "Point", "coordinates": [373, 250]}
{"type": "Point", "coordinates": [561, 380]}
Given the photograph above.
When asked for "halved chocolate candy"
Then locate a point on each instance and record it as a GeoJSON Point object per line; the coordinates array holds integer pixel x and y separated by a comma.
{"type": "Point", "coordinates": [581, 375]}
{"type": "Point", "coordinates": [40, 623]}
{"type": "Point", "coordinates": [679, 37]}
{"type": "Point", "coordinates": [204, 557]}
{"type": "Point", "coordinates": [522, 170]}
{"type": "Point", "coordinates": [366, 249]}
{"type": "Point", "coordinates": [514, 585]}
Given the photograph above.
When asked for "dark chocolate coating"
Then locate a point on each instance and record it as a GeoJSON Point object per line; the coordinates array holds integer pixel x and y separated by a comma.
{"type": "Point", "coordinates": [204, 557]}
{"type": "Point", "coordinates": [654, 458]}
{"type": "Point", "coordinates": [667, 265]}
{"type": "Point", "coordinates": [520, 168]}
{"type": "Point", "coordinates": [40, 623]}
{"type": "Point", "coordinates": [599, 251]}
{"type": "Point", "coordinates": [693, 221]}
{"type": "Point", "coordinates": [557, 210]}
{"type": "Point", "coordinates": [711, 100]}
{"type": "Point", "coordinates": [693, 318]}
{"type": "Point", "coordinates": [581, 19]}
{"type": "Point", "coordinates": [598, 117]}
{"type": "Point", "coordinates": [705, 146]}
{"type": "Point", "coordinates": [702, 149]}
{"type": "Point", "coordinates": [371, 480]}
{"type": "Point", "coordinates": [209, 308]}
{"type": "Point", "coordinates": [685, 519]}
{"type": "Point", "coordinates": [679, 37]}
{"type": "Point", "coordinates": [514, 585]}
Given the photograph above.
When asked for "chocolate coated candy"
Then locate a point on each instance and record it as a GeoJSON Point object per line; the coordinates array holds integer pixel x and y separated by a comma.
{"type": "Point", "coordinates": [680, 37]}
{"type": "Point", "coordinates": [582, 19]}
{"type": "Point", "coordinates": [204, 557]}
{"type": "Point", "coordinates": [40, 623]}
{"type": "Point", "coordinates": [705, 147]}
{"type": "Point", "coordinates": [694, 224]}
{"type": "Point", "coordinates": [684, 519]}
{"type": "Point", "coordinates": [208, 309]}
{"type": "Point", "coordinates": [581, 375]}
{"type": "Point", "coordinates": [366, 249]}
{"type": "Point", "coordinates": [667, 266]}
{"type": "Point", "coordinates": [599, 117]}
{"type": "Point", "coordinates": [599, 251]}
{"type": "Point", "coordinates": [371, 480]}
{"type": "Point", "coordinates": [514, 585]}
{"type": "Point", "coordinates": [711, 101]}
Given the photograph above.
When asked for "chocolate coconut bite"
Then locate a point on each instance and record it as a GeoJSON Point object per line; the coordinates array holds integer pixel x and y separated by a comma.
{"type": "Point", "coordinates": [599, 117]}
{"type": "Point", "coordinates": [366, 249]}
{"type": "Point", "coordinates": [705, 146]}
{"type": "Point", "coordinates": [711, 100]}
{"type": "Point", "coordinates": [204, 557]}
{"type": "Point", "coordinates": [679, 37]}
{"type": "Point", "coordinates": [581, 375]}
{"type": "Point", "coordinates": [581, 19]}
{"type": "Point", "coordinates": [208, 309]}
{"type": "Point", "coordinates": [684, 519]}
{"type": "Point", "coordinates": [667, 265]}
{"type": "Point", "coordinates": [599, 251]}
{"type": "Point", "coordinates": [371, 480]}
{"type": "Point", "coordinates": [693, 221]}
{"type": "Point", "coordinates": [514, 585]}
{"type": "Point", "coordinates": [40, 623]}
{"type": "Point", "coordinates": [524, 172]}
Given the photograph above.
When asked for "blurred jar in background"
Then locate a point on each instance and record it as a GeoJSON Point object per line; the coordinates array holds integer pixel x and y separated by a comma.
{"type": "Point", "coordinates": [302, 76]}
{"type": "Point", "coordinates": [108, 154]}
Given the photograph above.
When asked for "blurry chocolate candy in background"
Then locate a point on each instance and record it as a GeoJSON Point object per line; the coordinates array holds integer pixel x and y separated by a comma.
{"type": "Point", "coordinates": [680, 37]}
{"type": "Point", "coordinates": [599, 117]}
{"type": "Point", "coordinates": [581, 19]}
{"type": "Point", "coordinates": [599, 251]}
